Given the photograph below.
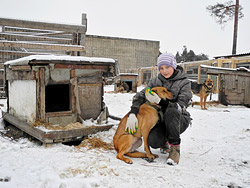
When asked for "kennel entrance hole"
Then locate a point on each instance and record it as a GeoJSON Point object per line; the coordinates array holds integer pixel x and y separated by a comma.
{"type": "Point", "coordinates": [57, 98]}
{"type": "Point", "coordinates": [129, 83]}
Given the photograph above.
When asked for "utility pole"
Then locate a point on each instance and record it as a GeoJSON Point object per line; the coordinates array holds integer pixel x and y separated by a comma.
{"type": "Point", "coordinates": [224, 12]}
{"type": "Point", "coordinates": [235, 27]}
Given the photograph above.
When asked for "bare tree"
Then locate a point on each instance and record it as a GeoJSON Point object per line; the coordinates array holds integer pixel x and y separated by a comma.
{"type": "Point", "coordinates": [226, 12]}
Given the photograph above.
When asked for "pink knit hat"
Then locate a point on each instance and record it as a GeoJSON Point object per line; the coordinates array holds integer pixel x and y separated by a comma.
{"type": "Point", "coordinates": [166, 59]}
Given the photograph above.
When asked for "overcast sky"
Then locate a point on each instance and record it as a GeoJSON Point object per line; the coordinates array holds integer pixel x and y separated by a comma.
{"type": "Point", "coordinates": [174, 23]}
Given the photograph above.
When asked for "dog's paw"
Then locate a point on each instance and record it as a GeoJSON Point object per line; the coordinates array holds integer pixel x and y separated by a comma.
{"type": "Point", "coordinates": [150, 160]}
{"type": "Point", "coordinates": [152, 156]}
{"type": "Point", "coordinates": [129, 161]}
{"type": "Point", "coordinates": [171, 162]}
{"type": "Point", "coordinates": [155, 156]}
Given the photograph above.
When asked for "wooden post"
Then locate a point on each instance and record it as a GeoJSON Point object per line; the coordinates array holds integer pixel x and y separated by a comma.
{"type": "Point", "coordinates": [2, 30]}
{"type": "Point", "coordinates": [233, 64]}
{"type": "Point", "coordinates": [3, 58]}
{"type": "Point", "coordinates": [72, 91]}
{"type": "Point", "coordinates": [42, 93]}
{"type": "Point", "coordinates": [219, 62]}
{"type": "Point", "coordinates": [217, 83]}
{"type": "Point", "coordinates": [199, 75]}
{"type": "Point", "coordinates": [74, 42]}
{"type": "Point", "coordinates": [82, 36]}
{"type": "Point", "coordinates": [38, 115]}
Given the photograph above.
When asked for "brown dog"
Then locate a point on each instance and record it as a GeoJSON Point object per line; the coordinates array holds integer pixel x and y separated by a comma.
{"type": "Point", "coordinates": [126, 144]}
{"type": "Point", "coordinates": [202, 90]}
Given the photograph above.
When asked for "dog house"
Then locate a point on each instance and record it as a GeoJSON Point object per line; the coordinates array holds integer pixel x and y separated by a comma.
{"type": "Point", "coordinates": [233, 84]}
{"type": "Point", "coordinates": [55, 90]}
{"type": "Point", "coordinates": [126, 80]}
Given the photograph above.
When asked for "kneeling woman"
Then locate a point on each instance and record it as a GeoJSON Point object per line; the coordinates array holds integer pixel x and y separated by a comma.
{"type": "Point", "coordinates": [166, 133]}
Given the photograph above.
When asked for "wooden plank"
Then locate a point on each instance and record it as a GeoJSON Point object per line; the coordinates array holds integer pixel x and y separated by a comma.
{"type": "Point", "coordinates": [92, 78]}
{"type": "Point", "coordinates": [74, 133]}
{"type": "Point", "coordinates": [53, 34]}
{"type": "Point", "coordinates": [20, 53]}
{"type": "Point", "coordinates": [19, 37]}
{"type": "Point", "coordinates": [30, 31]}
{"type": "Point", "coordinates": [215, 71]}
{"type": "Point", "coordinates": [23, 126]}
{"type": "Point", "coordinates": [229, 81]}
{"type": "Point", "coordinates": [73, 66]}
{"type": "Point", "coordinates": [21, 68]}
{"type": "Point", "coordinates": [53, 136]}
{"type": "Point", "coordinates": [38, 101]}
{"type": "Point", "coordinates": [241, 84]}
{"type": "Point", "coordinates": [3, 58]}
{"type": "Point", "coordinates": [32, 45]}
{"type": "Point", "coordinates": [73, 86]}
{"type": "Point", "coordinates": [247, 92]}
{"type": "Point", "coordinates": [43, 25]}
{"type": "Point", "coordinates": [56, 114]}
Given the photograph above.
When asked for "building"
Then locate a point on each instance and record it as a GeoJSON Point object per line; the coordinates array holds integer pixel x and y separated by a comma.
{"type": "Point", "coordinates": [130, 53]}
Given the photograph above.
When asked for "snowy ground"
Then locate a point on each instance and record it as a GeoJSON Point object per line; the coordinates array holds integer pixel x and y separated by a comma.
{"type": "Point", "coordinates": [215, 152]}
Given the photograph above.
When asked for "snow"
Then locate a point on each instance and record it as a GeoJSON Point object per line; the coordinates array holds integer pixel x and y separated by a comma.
{"type": "Point", "coordinates": [229, 69]}
{"type": "Point", "coordinates": [215, 152]}
{"type": "Point", "coordinates": [128, 74]}
{"type": "Point", "coordinates": [27, 59]}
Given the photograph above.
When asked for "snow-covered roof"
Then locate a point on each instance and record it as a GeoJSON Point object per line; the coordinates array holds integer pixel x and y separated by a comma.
{"type": "Point", "coordinates": [64, 58]}
{"type": "Point", "coordinates": [223, 68]}
{"type": "Point", "coordinates": [128, 74]}
{"type": "Point", "coordinates": [197, 62]}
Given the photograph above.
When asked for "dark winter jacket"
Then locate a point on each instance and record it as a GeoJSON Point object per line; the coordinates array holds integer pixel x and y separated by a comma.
{"type": "Point", "coordinates": [178, 84]}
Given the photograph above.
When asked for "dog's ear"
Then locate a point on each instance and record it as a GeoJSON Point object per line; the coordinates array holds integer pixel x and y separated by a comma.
{"type": "Point", "coordinates": [154, 89]}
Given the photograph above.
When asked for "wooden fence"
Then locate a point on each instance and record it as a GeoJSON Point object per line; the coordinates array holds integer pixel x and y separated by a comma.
{"type": "Point", "coordinates": [20, 38]}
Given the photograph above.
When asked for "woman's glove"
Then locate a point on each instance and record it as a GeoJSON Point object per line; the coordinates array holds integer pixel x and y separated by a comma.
{"type": "Point", "coordinates": [132, 124]}
{"type": "Point", "coordinates": [152, 96]}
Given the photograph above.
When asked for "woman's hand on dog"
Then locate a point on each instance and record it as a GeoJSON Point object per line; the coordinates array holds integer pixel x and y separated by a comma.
{"type": "Point", "coordinates": [152, 97]}
{"type": "Point", "coordinates": [132, 124]}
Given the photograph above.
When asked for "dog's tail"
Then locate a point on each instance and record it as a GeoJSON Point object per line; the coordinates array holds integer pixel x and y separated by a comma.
{"type": "Point", "coordinates": [114, 117]}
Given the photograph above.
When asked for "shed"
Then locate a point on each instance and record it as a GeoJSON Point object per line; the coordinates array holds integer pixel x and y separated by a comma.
{"type": "Point", "coordinates": [127, 80]}
{"type": "Point", "coordinates": [234, 84]}
{"type": "Point", "coordinates": [56, 89]}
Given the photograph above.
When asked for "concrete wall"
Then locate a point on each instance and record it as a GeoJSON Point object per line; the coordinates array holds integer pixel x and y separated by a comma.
{"type": "Point", "coordinates": [130, 53]}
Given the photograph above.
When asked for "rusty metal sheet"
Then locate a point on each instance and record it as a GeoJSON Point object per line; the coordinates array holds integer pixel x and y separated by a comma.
{"type": "Point", "coordinates": [90, 99]}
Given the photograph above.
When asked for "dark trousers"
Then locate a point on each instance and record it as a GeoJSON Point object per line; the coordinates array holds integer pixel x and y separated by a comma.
{"type": "Point", "coordinates": [174, 123]}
